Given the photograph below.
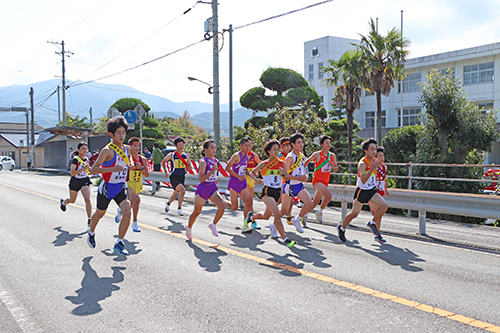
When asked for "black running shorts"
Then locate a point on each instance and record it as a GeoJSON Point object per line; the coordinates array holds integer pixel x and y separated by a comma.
{"type": "Point", "coordinates": [176, 180]}
{"type": "Point", "coordinates": [75, 184]}
{"type": "Point", "coordinates": [274, 193]}
{"type": "Point", "coordinates": [364, 196]}
{"type": "Point", "coordinates": [103, 201]}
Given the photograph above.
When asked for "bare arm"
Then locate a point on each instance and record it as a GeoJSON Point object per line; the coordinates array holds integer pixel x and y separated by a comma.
{"type": "Point", "coordinates": [106, 155]}
{"type": "Point", "coordinates": [145, 170]}
{"type": "Point", "coordinates": [164, 161]}
{"type": "Point", "coordinates": [234, 159]}
{"type": "Point", "coordinates": [334, 163]}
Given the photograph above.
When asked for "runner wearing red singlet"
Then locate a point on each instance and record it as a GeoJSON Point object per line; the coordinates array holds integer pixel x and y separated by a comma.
{"type": "Point", "coordinates": [285, 149]}
{"type": "Point", "coordinates": [324, 162]}
{"type": "Point", "coordinates": [381, 175]}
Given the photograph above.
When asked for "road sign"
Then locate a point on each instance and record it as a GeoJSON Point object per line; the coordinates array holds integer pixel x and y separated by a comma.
{"type": "Point", "coordinates": [131, 116]}
{"type": "Point", "coordinates": [131, 127]}
{"type": "Point", "coordinates": [113, 112]}
{"type": "Point", "coordinates": [140, 110]}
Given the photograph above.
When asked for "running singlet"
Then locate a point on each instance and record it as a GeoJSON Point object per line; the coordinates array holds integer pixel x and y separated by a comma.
{"type": "Point", "coordinates": [240, 167]}
{"type": "Point", "coordinates": [116, 177]}
{"type": "Point", "coordinates": [252, 162]}
{"type": "Point", "coordinates": [299, 171]}
{"type": "Point", "coordinates": [371, 182]}
{"type": "Point", "coordinates": [282, 156]}
{"type": "Point", "coordinates": [381, 174]}
{"type": "Point", "coordinates": [178, 167]}
{"type": "Point", "coordinates": [210, 164]}
{"type": "Point", "coordinates": [271, 176]}
{"type": "Point", "coordinates": [135, 175]}
{"type": "Point", "coordinates": [79, 166]}
{"type": "Point", "coordinates": [323, 174]}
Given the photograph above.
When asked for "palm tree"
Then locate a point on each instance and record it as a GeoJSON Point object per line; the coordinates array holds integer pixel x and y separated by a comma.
{"type": "Point", "coordinates": [349, 70]}
{"type": "Point", "coordinates": [385, 58]}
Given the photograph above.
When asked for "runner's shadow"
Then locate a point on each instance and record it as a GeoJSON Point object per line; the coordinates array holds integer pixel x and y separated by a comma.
{"type": "Point", "coordinates": [328, 236]}
{"type": "Point", "coordinates": [208, 260]}
{"type": "Point", "coordinates": [131, 247]}
{"type": "Point", "coordinates": [94, 289]}
{"type": "Point", "coordinates": [248, 240]}
{"type": "Point", "coordinates": [284, 260]}
{"type": "Point", "coordinates": [176, 227]}
{"type": "Point", "coordinates": [396, 256]}
{"type": "Point", "coordinates": [65, 237]}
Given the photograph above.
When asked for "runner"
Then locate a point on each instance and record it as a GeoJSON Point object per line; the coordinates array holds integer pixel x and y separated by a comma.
{"type": "Point", "coordinates": [381, 175]}
{"type": "Point", "coordinates": [324, 162]}
{"type": "Point", "coordinates": [271, 171]}
{"type": "Point", "coordinates": [80, 180]}
{"type": "Point", "coordinates": [253, 161]}
{"type": "Point", "coordinates": [115, 162]}
{"type": "Point", "coordinates": [134, 183]}
{"type": "Point", "coordinates": [179, 161]}
{"type": "Point", "coordinates": [207, 189]}
{"type": "Point", "coordinates": [237, 185]}
{"type": "Point", "coordinates": [294, 187]}
{"type": "Point", "coordinates": [366, 192]}
{"type": "Point", "coordinates": [285, 149]}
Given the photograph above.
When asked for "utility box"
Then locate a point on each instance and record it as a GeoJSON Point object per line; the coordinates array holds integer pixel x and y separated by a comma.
{"type": "Point", "coordinates": [209, 25]}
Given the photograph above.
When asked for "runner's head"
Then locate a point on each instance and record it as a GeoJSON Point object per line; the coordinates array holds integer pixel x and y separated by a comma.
{"type": "Point", "coordinates": [209, 148]}
{"type": "Point", "coordinates": [82, 149]}
{"type": "Point", "coordinates": [272, 148]}
{"type": "Point", "coordinates": [245, 146]}
{"type": "Point", "coordinates": [285, 145]}
{"type": "Point", "coordinates": [369, 147]}
{"type": "Point", "coordinates": [135, 144]}
{"type": "Point", "coordinates": [381, 154]}
{"type": "Point", "coordinates": [179, 143]}
{"type": "Point", "coordinates": [326, 142]}
{"type": "Point", "coordinates": [251, 143]}
{"type": "Point", "coordinates": [297, 142]}
{"type": "Point", "coordinates": [117, 129]}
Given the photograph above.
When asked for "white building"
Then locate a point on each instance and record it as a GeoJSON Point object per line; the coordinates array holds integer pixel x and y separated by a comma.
{"type": "Point", "coordinates": [474, 66]}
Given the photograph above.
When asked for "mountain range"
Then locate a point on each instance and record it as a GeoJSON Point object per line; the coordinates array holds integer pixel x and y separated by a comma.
{"type": "Point", "coordinates": [99, 97]}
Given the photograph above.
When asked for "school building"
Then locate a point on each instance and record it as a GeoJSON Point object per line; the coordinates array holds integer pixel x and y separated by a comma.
{"type": "Point", "coordinates": [474, 66]}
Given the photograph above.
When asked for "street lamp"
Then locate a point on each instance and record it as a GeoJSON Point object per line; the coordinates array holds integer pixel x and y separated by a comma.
{"type": "Point", "coordinates": [209, 86]}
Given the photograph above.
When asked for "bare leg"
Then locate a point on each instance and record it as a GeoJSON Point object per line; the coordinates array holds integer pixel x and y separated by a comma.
{"type": "Point", "coordinates": [86, 196]}
{"type": "Point", "coordinates": [306, 198]}
{"type": "Point", "coordinates": [356, 208]}
{"type": "Point", "coordinates": [125, 222]}
{"type": "Point", "coordinates": [272, 207]}
{"type": "Point", "coordinates": [72, 197]}
{"type": "Point", "coordinates": [198, 205]}
{"type": "Point", "coordinates": [135, 200]}
{"type": "Point", "coordinates": [219, 202]}
{"type": "Point", "coordinates": [381, 205]}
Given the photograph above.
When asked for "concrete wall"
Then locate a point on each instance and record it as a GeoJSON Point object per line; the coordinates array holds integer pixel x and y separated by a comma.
{"type": "Point", "coordinates": [56, 156]}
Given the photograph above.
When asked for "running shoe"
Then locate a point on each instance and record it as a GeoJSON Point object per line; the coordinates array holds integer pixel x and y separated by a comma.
{"type": "Point", "coordinates": [255, 226]}
{"type": "Point", "coordinates": [341, 233]}
{"type": "Point", "coordinates": [120, 248]}
{"type": "Point", "coordinates": [213, 228]}
{"type": "Point", "coordinates": [300, 205]}
{"type": "Point", "coordinates": [118, 216]}
{"type": "Point", "coordinates": [63, 206]}
{"type": "Point", "coordinates": [88, 223]}
{"type": "Point", "coordinates": [380, 239]}
{"type": "Point", "coordinates": [373, 228]}
{"type": "Point", "coordinates": [319, 216]}
{"type": "Point", "coordinates": [289, 220]}
{"type": "Point", "coordinates": [189, 232]}
{"type": "Point", "coordinates": [304, 219]}
{"type": "Point", "coordinates": [91, 240]}
{"type": "Point", "coordinates": [246, 226]}
{"type": "Point", "coordinates": [274, 231]}
{"type": "Point", "coordinates": [135, 227]}
{"type": "Point", "coordinates": [167, 208]}
{"type": "Point", "coordinates": [296, 223]}
{"type": "Point", "coordinates": [179, 212]}
{"type": "Point", "coordinates": [288, 242]}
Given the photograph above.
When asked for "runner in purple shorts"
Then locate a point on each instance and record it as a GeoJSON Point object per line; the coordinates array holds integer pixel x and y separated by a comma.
{"type": "Point", "coordinates": [237, 185]}
{"type": "Point", "coordinates": [207, 189]}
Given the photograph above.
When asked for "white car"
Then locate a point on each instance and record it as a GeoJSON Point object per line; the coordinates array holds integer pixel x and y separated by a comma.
{"type": "Point", "coordinates": [7, 163]}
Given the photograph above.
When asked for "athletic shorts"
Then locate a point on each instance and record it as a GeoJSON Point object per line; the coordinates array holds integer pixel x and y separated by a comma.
{"type": "Point", "coordinates": [315, 181]}
{"type": "Point", "coordinates": [292, 190]}
{"type": "Point", "coordinates": [272, 192]}
{"type": "Point", "coordinates": [135, 186]}
{"type": "Point", "coordinates": [206, 189]}
{"type": "Point", "coordinates": [103, 199]}
{"type": "Point", "coordinates": [156, 167]}
{"type": "Point", "coordinates": [364, 196]}
{"type": "Point", "coordinates": [236, 184]}
{"type": "Point", "coordinates": [250, 182]}
{"type": "Point", "coordinates": [75, 184]}
{"type": "Point", "coordinates": [176, 180]}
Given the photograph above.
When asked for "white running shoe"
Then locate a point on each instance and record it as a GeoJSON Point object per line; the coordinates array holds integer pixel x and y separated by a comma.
{"type": "Point", "coordinates": [300, 204]}
{"type": "Point", "coordinates": [213, 228]}
{"type": "Point", "coordinates": [189, 232]}
{"type": "Point", "coordinates": [135, 227]}
{"type": "Point", "coordinates": [319, 216]}
{"type": "Point", "coordinates": [274, 231]}
{"type": "Point", "coordinates": [118, 216]}
{"type": "Point", "coordinates": [296, 223]}
{"type": "Point", "coordinates": [179, 212]}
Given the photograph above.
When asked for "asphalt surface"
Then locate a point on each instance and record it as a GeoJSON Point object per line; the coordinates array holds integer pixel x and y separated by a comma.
{"type": "Point", "coordinates": [50, 280]}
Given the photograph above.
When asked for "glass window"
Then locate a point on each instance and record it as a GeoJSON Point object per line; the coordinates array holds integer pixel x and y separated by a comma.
{"type": "Point", "coordinates": [409, 118]}
{"type": "Point", "coordinates": [479, 73]}
{"type": "Point", "coordinates": [370, 119]}
{"type": "Point", "coordinates": [410, 84]}
{"type": "Point", "coordinates": [485, 106]}
{"type": "Point", "coordinates": [320, 71]}
{"type": "Point", "coordinates": [311, 72]}
{"type": "Point", "coordinates": [446, 71]}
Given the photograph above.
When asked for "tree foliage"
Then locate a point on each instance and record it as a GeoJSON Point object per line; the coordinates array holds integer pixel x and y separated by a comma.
{"type": "Point", "coordinates": [76, 121]}
{"type": "Point", "coordinates": [125, 104]}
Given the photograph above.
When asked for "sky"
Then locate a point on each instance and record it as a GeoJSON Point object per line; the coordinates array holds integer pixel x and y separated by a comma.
{"type": "Point", "coordinates": [107, 37]}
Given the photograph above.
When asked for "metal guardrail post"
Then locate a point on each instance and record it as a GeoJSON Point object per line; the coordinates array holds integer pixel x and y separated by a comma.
{"type": "Point", "coordinates": [343, 210]}
{"type": "Point", "coordinates": [153, 188]}
{"type": "Point", "coordinates": [422, 217]}
{"type": "Point", "coordinates": [410, 171]}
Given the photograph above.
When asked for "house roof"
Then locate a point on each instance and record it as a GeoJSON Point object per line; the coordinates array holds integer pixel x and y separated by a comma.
{"type": "Point", "coordinates": [14, 138]}
{"type": "Point", "coordinates": [16, 127]}
{"type": "Point", "coordinates": [71, 131]}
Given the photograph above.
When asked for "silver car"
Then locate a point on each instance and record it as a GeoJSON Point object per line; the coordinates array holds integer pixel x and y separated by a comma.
{"type": "Point", "coordinates": [7, 163]}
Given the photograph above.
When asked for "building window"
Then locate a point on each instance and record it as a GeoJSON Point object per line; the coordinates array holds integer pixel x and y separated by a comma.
{"type": "Point", "coordinates": [370, 119]}
{"type": "Point", "coordinates": [485, 106]}
{"type": "Point", "coordinates": [311, 72]}
{"type": "Point", "coordinates": [409, 118]}
{"type": "Point", "coordinates": [320, 70]}
{"type": "Point", "coordinates": [12, 154]}
{"type": "Point", "coordinates": [479, 73]}
{"type": "Point", "coordinates": [410, 83]}
{"type": "Point", "coordinates": [445, 71]}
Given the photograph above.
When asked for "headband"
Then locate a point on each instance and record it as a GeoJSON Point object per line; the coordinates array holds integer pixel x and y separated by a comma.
{"type": "Point", "coordinates": [285, 143]}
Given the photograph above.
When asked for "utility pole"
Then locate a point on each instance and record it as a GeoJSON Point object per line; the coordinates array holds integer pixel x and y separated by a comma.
{"type": "Point", "coordinates": [230, 87]}
{"type": "Point", "coordinates": [33, 159]}
{"type": "Point", "coordinates": [215, 31]}
{"type": "Point", "coordinates": [58, 107]}
{"type": "Point", "coordinates": [91, 125]}
{"type": "Point", "coordinates": [63, 53]}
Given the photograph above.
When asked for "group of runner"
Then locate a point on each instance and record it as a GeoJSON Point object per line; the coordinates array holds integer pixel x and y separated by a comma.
{"type": "Point", "coordinates": [283, 175]}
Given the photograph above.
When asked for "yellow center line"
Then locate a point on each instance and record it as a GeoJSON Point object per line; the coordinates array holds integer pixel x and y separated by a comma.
{"type": "Point", "coordinates": [320, 277]}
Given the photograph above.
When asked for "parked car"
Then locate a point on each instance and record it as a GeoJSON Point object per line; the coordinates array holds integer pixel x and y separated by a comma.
{"type": "Point", "coordinates": [492, 187]}
{"type": "Point", "coordinates": [7, 163]}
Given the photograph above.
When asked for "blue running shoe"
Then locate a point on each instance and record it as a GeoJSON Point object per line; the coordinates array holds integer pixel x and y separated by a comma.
{"type": "Point", "coordinates": [380, 239]}
{"type": "Point", "coordinates": [91, 240]}
{"type": "Point", "coordinates": [120, 248]}
{"type": "Point", "coordinates": [118, 216]}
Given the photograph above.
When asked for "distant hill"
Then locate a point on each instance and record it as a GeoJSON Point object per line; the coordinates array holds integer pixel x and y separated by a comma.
{"type": "Point", "coordinates": [100, 97]}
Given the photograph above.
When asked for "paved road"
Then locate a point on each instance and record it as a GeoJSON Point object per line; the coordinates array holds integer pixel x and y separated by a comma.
{"type": "Point", "coordinates": [50, 280]}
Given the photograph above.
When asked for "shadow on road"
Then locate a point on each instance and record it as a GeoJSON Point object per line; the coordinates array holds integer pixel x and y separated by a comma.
{"type": "Point", "coordinates": [176, 227]}
{"type": "Point", "coordinates": [65, 237]}
{"type": "Point", "coordinates": [395, 256]}
{"type": "Point", "coordinates": [131, 247]}
{"type": "Point", "coordinates": [209, 260]}
{"type": "Point", "coordinates": [94, 289]}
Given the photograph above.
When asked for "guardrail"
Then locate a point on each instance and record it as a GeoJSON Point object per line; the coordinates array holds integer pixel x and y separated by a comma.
{"type": "Point", "coordinates": [475, 205]}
